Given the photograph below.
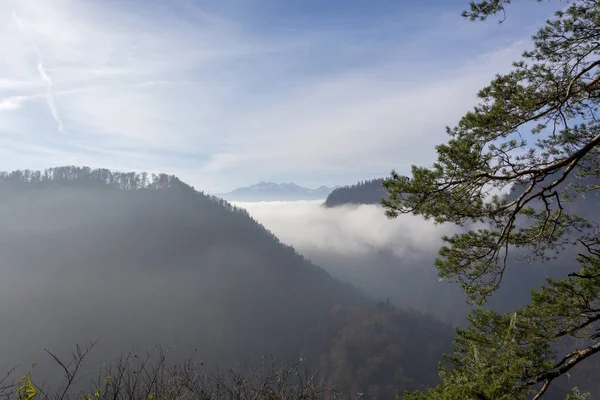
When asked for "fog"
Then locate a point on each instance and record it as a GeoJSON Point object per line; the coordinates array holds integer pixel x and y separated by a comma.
{"type": "Point", "coordinates": [394, 258]}
{"type": "Point", "coordinates": [139, 268]}
{"type": "Point", "coordinates": [82, 260]}
{"type": "Point", "coordinates": [388, 258]}
{"type": "Point", "coordinates": [351, 230]}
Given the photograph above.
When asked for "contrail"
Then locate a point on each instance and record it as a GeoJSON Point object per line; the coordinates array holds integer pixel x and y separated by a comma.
{"type": "Point", "coordinates": [18, 21]}
{"type": "Point", "coordinates": [49, 95]}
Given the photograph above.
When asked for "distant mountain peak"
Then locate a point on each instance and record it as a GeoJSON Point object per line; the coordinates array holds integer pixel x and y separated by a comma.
{"type": "Point", "coordinates": [271, 191]}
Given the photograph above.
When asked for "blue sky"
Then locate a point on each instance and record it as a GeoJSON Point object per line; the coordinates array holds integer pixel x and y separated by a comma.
{"type": "Point", "coordinates": [228, 93]}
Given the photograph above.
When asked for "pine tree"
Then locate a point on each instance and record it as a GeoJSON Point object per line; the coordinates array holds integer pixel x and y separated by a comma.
{"type": "Point", "coordinates": [555, 90]}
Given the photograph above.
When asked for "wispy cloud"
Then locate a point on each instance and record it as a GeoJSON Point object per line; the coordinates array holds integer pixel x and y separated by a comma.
{"type": "Point", "coordinates": [9, 104]}
{"type": "Point", "coordinates": [226, 97]}
{"type": "Point", "coordinates": [43, 75]}
{"type": "Point", "coordinates": [18, 21]}
{"type": "Point", "coordinates": [49, 96]}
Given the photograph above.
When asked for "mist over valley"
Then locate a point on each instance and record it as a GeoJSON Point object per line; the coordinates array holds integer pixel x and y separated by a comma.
{"type": "Point", "coordinates": [299, 200]}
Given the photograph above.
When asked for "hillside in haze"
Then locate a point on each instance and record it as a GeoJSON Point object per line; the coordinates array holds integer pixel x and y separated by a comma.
{"type": "Point", "coordinates": [395, 258]}
{"type": "Point", "coordinates": [364, 192]}
{"type": "Point", "coordinates": [142, 259]}
{"type": "Point", "coordinates": [270, 191]}
{"type": "Point", "coordinates": [404, 271]}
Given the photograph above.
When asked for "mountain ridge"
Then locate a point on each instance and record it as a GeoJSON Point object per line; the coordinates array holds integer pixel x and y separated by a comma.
{"type": "Point", "coordinates": [145, 259]}
{"type": "Point", "coordinates": [271, 191]}
{"type": "Point", "coordinates": [363, 192]}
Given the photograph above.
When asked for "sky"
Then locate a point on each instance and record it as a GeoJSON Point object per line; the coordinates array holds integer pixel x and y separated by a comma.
{"type": "Point", "coordinates": [228, 93]}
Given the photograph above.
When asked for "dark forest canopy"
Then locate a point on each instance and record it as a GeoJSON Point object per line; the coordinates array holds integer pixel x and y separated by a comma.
{"type": "Point", "coordinates": [141, 259]}
{"type": "Point", "coordinates": [363, 192]}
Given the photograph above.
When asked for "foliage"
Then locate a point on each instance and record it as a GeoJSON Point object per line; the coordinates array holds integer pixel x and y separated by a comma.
{"type": "Point", "coordinates": [377, 352]}
{"type": "Point", "coordinates": [27, 390]}
{"type": "Point", "coordinates": [554, 93]}
{"type": "Point", "coordinates": [365, 192]}
{"type": "Point", "coordinates": [154, 378]}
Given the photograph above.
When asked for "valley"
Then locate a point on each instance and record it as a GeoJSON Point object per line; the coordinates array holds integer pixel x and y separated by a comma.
{"type": "Point", "coordinates": [140, 261]}
{"type": "Point", "coordinates": [299, 200]}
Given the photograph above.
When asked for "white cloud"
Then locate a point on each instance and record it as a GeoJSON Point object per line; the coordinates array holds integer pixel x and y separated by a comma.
{"type": "Point", "coordinates": [9, 104]}
{"type": "Point", "coordinates": [351, 121]}
{"type": "Point", "coordinates": [385, 258]}
{"type": "Point", "coordinates": [200, 94]}
{"type": "Point", "coordinates": [346, 230]}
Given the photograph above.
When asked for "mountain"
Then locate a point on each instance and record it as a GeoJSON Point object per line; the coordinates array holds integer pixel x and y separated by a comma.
{"type": "Point", "coordinates": [364, 192]}
{"type": "Point", "coordinates": [412, 281]}
{"type": "Point", "coordinates": [142, 259]}
{"type": "Point", "coordinates": [269, 191]}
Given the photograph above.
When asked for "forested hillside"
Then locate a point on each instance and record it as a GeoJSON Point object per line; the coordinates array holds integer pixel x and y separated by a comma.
{"type": "Point", "coordinates": [364, 192]}
{"type": "Point", "coordinates": [144, 259]}
{"type": "Point", "coordinates": [414, 282]}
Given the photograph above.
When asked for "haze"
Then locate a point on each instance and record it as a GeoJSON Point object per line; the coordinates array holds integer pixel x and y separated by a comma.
{"type": "Point", "coordinates": [120, 121]}
{"type": "Point", "coordinates": [389, 259]}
